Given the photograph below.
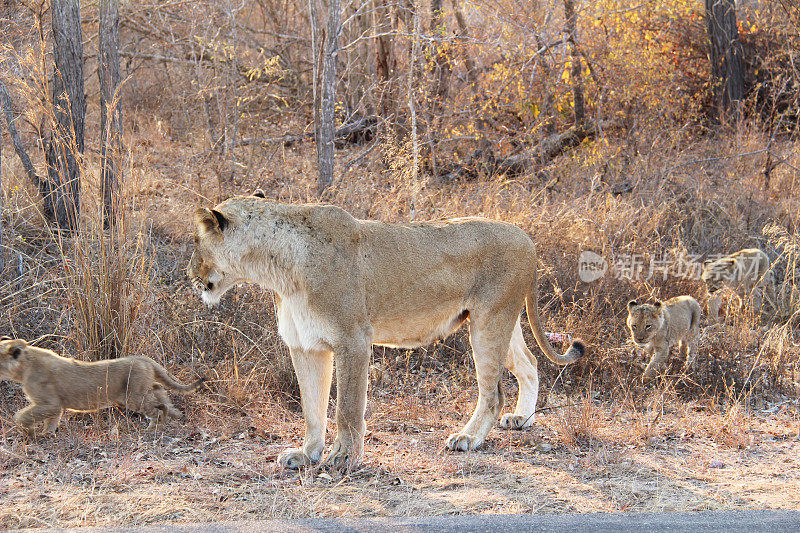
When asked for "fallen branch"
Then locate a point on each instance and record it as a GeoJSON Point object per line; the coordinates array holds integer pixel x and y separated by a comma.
{"type": "Point", "coordinates": [483, 160]}
{"type": "Point", "coordinates": [360, 131]}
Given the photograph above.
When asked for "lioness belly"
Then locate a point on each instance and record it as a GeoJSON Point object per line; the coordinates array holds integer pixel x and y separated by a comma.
{"type": "Point", "coordinates": [412, 332]}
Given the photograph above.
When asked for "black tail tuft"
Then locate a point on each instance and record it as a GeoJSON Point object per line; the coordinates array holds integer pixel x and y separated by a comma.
{"type": "Point", "coordinates": [579, 346]}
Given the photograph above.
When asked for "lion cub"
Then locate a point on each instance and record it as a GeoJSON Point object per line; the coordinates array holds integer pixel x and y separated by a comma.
{"type": "Point", "coordinates": [53, 383]}
{"type": "Point", "coordinates": [659, 326]}
{"type": "Point", "coordinates": [745, 273]}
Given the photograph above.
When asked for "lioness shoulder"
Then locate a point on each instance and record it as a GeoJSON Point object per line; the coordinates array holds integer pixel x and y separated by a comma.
{"type": "Point", "coordinates": [53, 384]}
{"type": "Point", "coordinates": [659, 326]}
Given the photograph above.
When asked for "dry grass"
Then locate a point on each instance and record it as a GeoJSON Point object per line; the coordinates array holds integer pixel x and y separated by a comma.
{"type": "Point", "coordinates": [103, 470]}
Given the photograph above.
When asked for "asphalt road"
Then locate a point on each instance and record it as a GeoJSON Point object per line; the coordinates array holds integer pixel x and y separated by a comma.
{"type": "Point", "coordinates": [724, 521]}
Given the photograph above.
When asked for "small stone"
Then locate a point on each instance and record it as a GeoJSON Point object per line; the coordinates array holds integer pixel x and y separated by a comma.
{"type": "Point", "coordinates": [543, 447]}
{"type": "Point", "coordinates": [716, 464]}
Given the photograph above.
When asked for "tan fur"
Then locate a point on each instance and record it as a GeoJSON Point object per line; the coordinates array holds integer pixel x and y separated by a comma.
{"type": "Point", "coordinates": [53, 383]}
{"type": "Point", "coordinates": [746, 274]}
{"type": "Point", "coordinates": [660, 326]}
{"type": "Point", "coordinates": [343, 284]}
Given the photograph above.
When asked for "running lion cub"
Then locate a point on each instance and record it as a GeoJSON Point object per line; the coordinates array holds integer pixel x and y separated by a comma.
{"type": "Point", "coordinates": [659, 326]}
{"type": "Point", "coordinates": [53, 383]}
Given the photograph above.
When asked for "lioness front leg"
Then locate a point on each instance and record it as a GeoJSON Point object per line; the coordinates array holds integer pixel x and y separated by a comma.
{"type": "Point", "coordinates": [490, 345]}
{"type": "Point", "coordinates": [352, 376]}
{"type": "Point", "coordinates": [314, 371]}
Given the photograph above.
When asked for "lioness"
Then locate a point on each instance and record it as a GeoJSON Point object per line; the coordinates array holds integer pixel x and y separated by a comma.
{"type": "Point", "coordinates": [659, 326]}
{"type": "Point", "coordinates": [344, 284]}
{"type": "Point", "coordinates": [745, 273]}
{"type": "Point", "coordinates": [53, 383]}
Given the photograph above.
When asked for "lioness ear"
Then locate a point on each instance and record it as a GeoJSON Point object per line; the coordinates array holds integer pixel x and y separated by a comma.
{"type": "Point", "coordinates": [632, 304]}
{"type": "Point", "coordinates": [259, 194]}
{"type": "Point", "coordinates": [210, 221]}
{"type": "Point", "coordinates": [5, 338]}
{"type": "Point", "coordinates": [657, 305]}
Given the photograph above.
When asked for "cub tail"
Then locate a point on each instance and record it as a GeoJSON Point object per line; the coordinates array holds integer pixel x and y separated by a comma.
{"type": "Point", "coordinates": [163, 377]}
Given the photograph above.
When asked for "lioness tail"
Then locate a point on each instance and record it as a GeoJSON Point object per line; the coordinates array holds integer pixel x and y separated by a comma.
{"type": "Point", "coordinates": [575, 350]}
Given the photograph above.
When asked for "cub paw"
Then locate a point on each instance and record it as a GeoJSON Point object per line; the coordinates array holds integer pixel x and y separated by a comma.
{"type": "Point", "coordinates": [512, 421]}
{"type": "Point", "coordinates": [462, 442]}
{"type": "Point", "coordinates": [294, 459]}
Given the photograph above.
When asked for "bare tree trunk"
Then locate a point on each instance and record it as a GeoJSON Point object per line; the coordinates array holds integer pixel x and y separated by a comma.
{"type": "Point", "coordinates": [725, 54]}
{"type": "Point", "coordinates": [62, 200]}
{"type": "Point", "coordinates": [412, 107]}
{"type": "Point", "coordinates": [2, 249]}
{"type": "Point", "coordinates": [570, 16]}
{"type": "Point", "coordinates": [441, 77]}
{"type": "Point", "coordinates": [110, 130]}
{"type": "Point", "coordinates": [324, 113]}
{"type": "Point", "coordinates": [463, 36]}
{"type": "Point", "coordinates": [385, 61]}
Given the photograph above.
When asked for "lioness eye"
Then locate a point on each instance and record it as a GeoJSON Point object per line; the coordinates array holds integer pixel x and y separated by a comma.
{"type": "Point", "coordinates": [648, 326]}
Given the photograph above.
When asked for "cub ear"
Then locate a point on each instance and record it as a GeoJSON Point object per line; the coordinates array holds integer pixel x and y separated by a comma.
{"type": "Point", "coordinates": [210, 221]}
{"type": "Point", "coordinates": [657, 305]}
{"type": "Point", "coordinates": [16, 348]}
{"type": "Point", "coordinates": [259, 193]}
{"type": "Point", "coordinates": [5, 338]}
{"type": "Point", "coordinates": [632, 304]}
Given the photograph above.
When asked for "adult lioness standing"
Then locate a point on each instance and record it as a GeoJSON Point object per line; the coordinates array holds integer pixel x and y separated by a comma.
{"type": "Point", "coordinates": [343, 284]}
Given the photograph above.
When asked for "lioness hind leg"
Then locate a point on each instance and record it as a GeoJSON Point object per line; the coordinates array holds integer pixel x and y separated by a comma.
{"type": "Point", "coordinates": [521, 362]}
{"type": "Point", "coordinates": [490, 344]}
{"type": "Point", "coordinates": [314, 370]}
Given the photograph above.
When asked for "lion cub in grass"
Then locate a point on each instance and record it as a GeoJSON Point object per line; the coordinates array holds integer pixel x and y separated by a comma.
{"type": "Point", "coordinates": [657, 327]}
{"type": "Point", "coordinates": [53, 383]}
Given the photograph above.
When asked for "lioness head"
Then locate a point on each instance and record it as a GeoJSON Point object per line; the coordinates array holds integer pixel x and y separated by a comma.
{"type": "Point", "coordinates": [206, 273]}
{"type": "Point", "coordinates": [644, 321]}
{"type": "Point", "coordinates": [12, 355]}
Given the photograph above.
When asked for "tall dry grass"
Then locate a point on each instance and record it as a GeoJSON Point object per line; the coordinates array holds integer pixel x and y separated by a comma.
{"type": "Point", "coordinates": [666, 190]}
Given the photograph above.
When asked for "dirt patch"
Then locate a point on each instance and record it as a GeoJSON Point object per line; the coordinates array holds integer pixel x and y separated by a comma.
{"type": "Point", "coordinates": [104, 470]}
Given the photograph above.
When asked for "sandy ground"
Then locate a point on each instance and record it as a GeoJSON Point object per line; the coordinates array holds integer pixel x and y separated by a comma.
{"type": "Point", "coordinates": [588, 456]}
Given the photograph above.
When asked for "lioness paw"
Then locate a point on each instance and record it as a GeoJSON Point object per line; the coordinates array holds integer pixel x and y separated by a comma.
{"type": "Point", "coordinates": [512, 421]}
{"type": "Point", "coordinates": [294, 459]}
{"type": "Point", "coordinates": [462, 442]}
{"type": "Point", "coordinates": [341, 457]}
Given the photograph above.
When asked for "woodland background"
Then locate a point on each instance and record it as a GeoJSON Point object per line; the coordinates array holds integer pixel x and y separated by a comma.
{"type": "Point", "coordinates": [661, 128]}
